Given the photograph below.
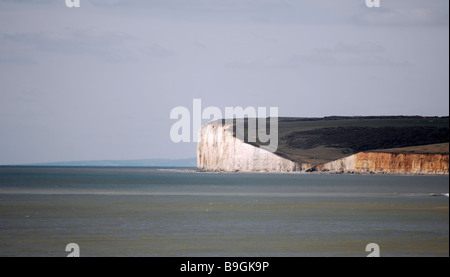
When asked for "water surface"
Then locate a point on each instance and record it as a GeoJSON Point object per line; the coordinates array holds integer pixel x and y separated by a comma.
{"type": "Point", "coordinates": [161, 212]}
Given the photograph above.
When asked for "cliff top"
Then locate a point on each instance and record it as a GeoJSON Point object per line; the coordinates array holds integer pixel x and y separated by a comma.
{"type": "Point", "coordinates": [438, 148]}
{"type": "Point", "coordinates": [320, 140]}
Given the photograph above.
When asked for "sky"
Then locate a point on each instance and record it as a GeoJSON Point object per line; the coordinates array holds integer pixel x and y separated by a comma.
{"type": "Point", "coordinates": [98, 82]}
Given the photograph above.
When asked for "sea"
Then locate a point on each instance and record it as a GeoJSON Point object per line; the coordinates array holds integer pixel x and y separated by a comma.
{"type": "Point", "coordinates": [173, 212]}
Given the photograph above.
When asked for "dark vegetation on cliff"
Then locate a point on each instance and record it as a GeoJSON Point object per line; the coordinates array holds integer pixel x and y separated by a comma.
{"type": "Point", "coordinates": [359, 139]}
{"type": "Point", "coordinates": [319, 140]}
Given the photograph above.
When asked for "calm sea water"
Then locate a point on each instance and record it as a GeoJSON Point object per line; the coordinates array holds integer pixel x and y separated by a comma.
{"type": "Point", "coordinates": [161, 212]}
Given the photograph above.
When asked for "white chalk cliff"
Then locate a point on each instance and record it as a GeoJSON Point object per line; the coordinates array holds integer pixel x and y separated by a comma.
{"type": "Point", "coordinates": [219, 150]}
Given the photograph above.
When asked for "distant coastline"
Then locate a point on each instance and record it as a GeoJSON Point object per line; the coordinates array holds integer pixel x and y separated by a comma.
{"type": "Point", "coordinates": [188, 163]}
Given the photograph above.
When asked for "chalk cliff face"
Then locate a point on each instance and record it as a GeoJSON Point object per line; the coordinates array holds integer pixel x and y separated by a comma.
{"type": "Point", "coordinates": [219, 150]}
{"type": "Point", "coordinates": [374, 162]}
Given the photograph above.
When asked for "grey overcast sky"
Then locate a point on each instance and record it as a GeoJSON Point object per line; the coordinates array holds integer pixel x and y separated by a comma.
{"type": "Point", "coordinates": [99, 81]}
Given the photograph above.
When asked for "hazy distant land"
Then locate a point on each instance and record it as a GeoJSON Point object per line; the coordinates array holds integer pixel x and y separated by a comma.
{"type": "Point", "coordinates": [189, 162]}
